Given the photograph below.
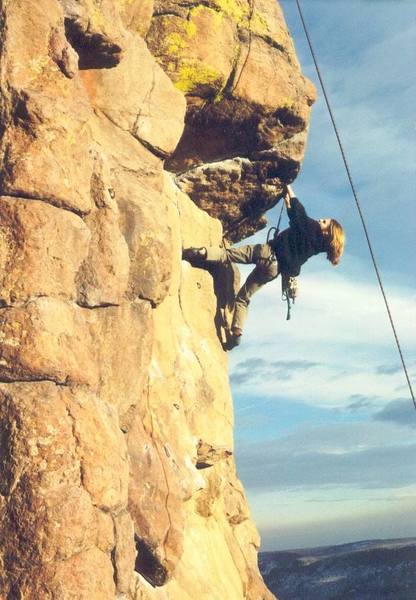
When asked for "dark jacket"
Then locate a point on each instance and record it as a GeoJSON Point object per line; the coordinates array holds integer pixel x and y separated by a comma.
{"type": "Point", "coordinates": [299, 242]}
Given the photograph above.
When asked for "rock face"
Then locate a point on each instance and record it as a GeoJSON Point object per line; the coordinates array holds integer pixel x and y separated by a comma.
{"type": "Point", "coordinates": [117, 478]}
{"type": "Point", "coordinates": [246, 98]}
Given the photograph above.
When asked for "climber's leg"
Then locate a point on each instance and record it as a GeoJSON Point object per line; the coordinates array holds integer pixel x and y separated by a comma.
{"type": "Point", "coordinates": [266, 270]}
{"type": "Point", "coordinates": [244, 255]}
{"type": "Point", "coordinates": [216, 254]}
{"type": "Point", "coordinates": [248, 254]}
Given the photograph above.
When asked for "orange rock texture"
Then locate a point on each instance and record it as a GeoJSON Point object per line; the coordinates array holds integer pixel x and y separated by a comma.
{"type": "Point", "coordinates": [118, 118]}
{"type": "Point", "coordinates": [248, 104]}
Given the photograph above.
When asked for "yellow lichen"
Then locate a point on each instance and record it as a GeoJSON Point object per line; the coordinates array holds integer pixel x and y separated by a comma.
{"type": "Point", "coordinates": [174, 43]}
{"type": "Point", "coordinates": [38, 64]}
{"type": "Point", "coordinates": [215, 16]}
{"type": "Point", "coordinates": [239, 10]}
{"type": "Point", "coordinates": [218, 18]}
{"type": "Point", "coordinates": [34, 70]}
{"type": "Point", "coordinates": [193, 75]}
{"type": "Point", "coordinates": [219, 97]}
{"type": "Point", "coordinates": [190, 29]}
{"type": "Point", "coordinates": [258, 24]}
{"type": "Point", "coordinates": [177, 41]}
{"type": "Point", "coordinates": [95, 15]}
{"type": "Point", "coordinates": [179, 53]}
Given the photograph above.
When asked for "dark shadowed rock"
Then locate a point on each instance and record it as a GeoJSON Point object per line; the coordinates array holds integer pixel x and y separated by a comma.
{"type": "Point", "coordinates": [247, 98]}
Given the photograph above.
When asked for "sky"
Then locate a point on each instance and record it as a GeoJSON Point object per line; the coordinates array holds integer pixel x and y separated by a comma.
{"type": "Point", "coordinates": [324, 422]}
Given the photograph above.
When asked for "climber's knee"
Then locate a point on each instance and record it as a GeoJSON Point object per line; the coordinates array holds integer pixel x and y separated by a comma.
{"type": "Point", "coordinates": [271, 271]}
{"type": "Point", "coordinates": [216, 254]}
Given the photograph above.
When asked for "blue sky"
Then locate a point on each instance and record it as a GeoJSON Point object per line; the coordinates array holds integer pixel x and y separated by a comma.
{"type": "Point", "coordinates": [325, 427]}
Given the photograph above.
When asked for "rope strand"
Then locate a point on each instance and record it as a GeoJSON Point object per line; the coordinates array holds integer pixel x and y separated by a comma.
{"type": "Point", "coordinates": [357, 202]}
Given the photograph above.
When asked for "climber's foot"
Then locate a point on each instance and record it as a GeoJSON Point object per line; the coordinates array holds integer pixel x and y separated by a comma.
{"type": "Point", "coordinates": [234, 339]}
{"type": "Point", "coordinates": [194, 255]}
{"type": "Point", "coordinates": [237, 335]}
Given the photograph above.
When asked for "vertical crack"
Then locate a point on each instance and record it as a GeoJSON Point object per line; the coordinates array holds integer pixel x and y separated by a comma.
{"type": "Point", "coordinates": [147, 563]}
{"type": "Point", "coordinates": [250, 36]}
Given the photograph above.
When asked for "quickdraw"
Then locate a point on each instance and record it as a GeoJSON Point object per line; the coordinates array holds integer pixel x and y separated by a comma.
{"type": "Point", "coordinates": [289, 292]}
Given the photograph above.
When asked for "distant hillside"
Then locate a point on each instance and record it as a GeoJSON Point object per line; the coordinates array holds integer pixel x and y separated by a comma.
{"type": "Point", "coordinates": [368, 570]}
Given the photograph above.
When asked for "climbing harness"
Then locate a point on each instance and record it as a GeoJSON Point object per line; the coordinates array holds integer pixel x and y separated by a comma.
{"type": "Point", "coordinates": [357, 202]}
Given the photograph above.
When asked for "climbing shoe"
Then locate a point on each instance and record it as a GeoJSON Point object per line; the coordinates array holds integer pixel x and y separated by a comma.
{"type": "Point", "coordinates": [234, 338]}
{"type": "Point", "coordinates": [194, 255]}
{"type": "Point", "coordinates": [237, 335]}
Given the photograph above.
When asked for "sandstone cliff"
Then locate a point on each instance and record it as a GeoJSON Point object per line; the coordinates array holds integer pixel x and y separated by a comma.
{"type": "Point", "coordinates": [118, 118]}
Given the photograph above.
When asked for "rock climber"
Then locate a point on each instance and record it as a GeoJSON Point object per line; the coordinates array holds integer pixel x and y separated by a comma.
{"type": "Point", "coordinates": [284, 255]}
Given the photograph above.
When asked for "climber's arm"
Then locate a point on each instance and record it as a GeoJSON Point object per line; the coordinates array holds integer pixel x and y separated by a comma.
{"type": "Point", "coordinates": [288, 196]}
{"type": "Point", "coordinates": [290, 192]}
{"type": "Point", "coordinates": [295, 210]}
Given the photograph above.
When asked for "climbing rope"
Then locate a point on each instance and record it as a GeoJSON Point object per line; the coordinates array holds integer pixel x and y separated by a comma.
{"type": "Point", "coordinates": [274, 231]}
{"type": "Point", "coordinates": [357, 202]}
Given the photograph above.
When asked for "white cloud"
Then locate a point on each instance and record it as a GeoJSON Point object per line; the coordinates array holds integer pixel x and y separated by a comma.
{"type": "Point", "coordinates": [293, 524]}
{"type": "Point", "coordinates": [335, 438]}
{"type": "Point", "coordinates": [340, 324]}
{"type": "Point", "coordinates": [332, 484]}
{"type": "Point", "coordinates": [364, 456]}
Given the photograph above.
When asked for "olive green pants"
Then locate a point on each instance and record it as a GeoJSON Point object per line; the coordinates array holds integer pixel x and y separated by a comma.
{"type": "Point", "coordinates": [265, 270]}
